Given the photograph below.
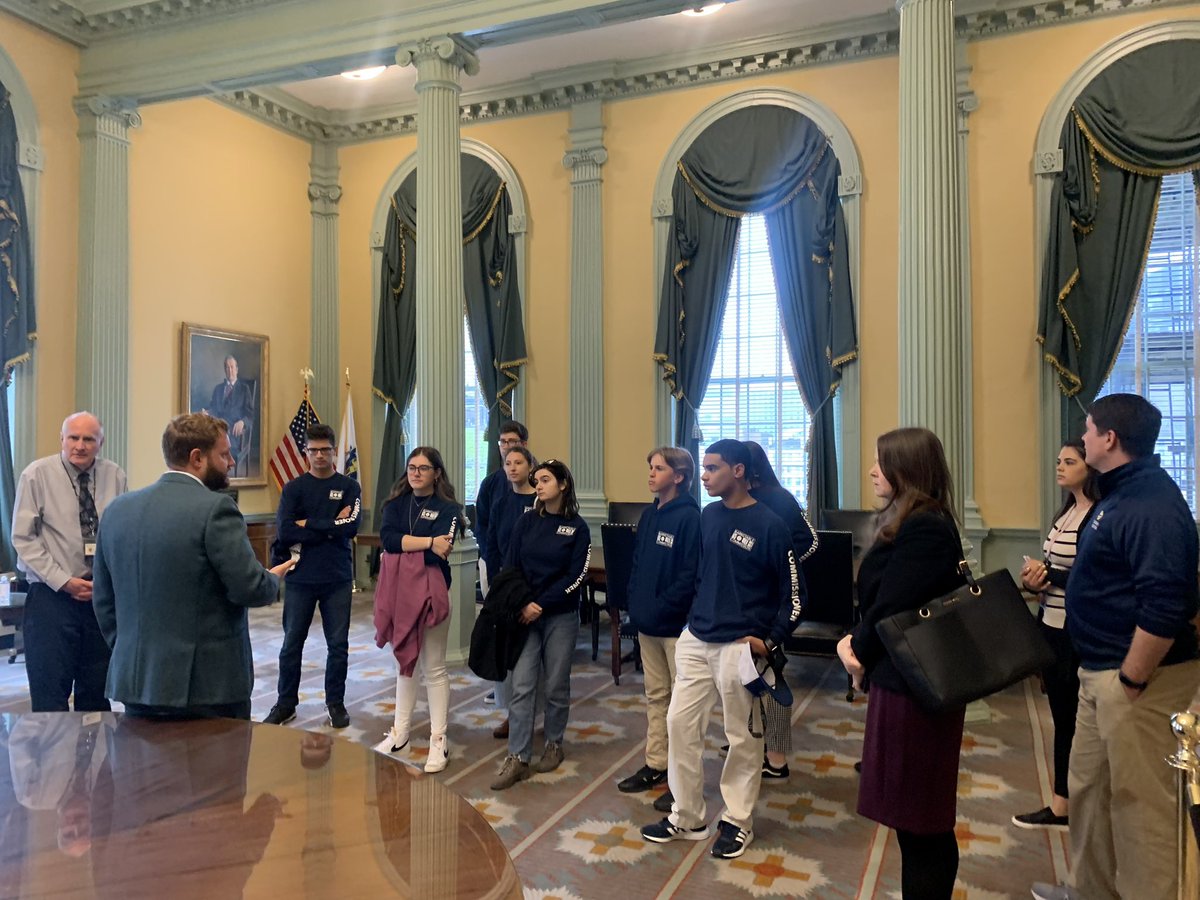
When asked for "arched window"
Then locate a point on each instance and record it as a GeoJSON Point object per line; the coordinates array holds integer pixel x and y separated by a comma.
{"type": "Point", "coordinates": [1117, 267]}
{"type": "Point", "coordinates": [756, 186]}
{"type": "Point", "coordinates": [502, 264]}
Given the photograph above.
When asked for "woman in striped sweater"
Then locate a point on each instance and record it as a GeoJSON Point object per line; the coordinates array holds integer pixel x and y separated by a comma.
{"type": "Point", "coordinates": [1048, 578]}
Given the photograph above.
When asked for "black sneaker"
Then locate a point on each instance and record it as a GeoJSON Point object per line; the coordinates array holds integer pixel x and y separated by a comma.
{"type": "Point", "coordinates": [1043, 818]}
{"type": "Point", "coordinates": [769, 771]}
{"type": "Point", "coordinates": [642, 780]}
{"type": "Point", "coordinates": [731, 841]}
{"type": "Point", "coordinates": [338, 717]}
{"type": "Point", "coordinates": [664, 832]}
{"type": "Point", "coordinates": [280, 714]}
{"type": "Point", "coordinates": [664, 802]}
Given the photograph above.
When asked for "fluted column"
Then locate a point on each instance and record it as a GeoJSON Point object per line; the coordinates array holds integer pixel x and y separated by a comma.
{"type": "Point", "coordinates": [966, 103]}
{"type": "Point", "coordinates": [932, 336]}
{"type": "Point", "coordinates": [324, 192]}
{"type": "Point", "coordinates": [440, 63]}
{"type": "Point", "coordinates": [102, 319]}
{"type": "Point", "coordinates": [585, 158]}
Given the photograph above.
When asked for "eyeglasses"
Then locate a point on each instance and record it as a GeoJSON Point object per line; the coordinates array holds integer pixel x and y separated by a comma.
{"type": "Point", "coordinates": [316, 451]}
{"type": "Point", "coordinates": [419, 470]}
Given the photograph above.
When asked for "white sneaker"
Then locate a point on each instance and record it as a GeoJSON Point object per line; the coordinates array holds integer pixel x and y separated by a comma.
{"type": "Point", "coordinates": [393, 742]}
{"type": "Point", "coordinates": [439, 753]}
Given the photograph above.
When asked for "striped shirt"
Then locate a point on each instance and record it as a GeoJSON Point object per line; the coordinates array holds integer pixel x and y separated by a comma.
{"type": "Point", "coordinates": [1059, 552]}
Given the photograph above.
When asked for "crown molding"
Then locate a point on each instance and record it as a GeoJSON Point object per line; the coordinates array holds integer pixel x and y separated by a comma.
{"type": "Point", "coordinates": [563, 88]}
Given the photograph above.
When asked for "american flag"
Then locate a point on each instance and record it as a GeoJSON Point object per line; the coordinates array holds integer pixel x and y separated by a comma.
{"type": "Point", "coordinates": [288, 460]}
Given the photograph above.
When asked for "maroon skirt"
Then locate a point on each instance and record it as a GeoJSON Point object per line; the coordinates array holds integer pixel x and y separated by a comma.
{"type": "Point", "coordinates": [910, 764]}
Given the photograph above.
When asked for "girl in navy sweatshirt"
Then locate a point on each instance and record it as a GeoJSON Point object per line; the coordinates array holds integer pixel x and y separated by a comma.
{"type": "Point", "coordinates": [421, 517]}
{"type": "Point", "coordinates": [510, 501]}
{"type": "Point", "coordinates": [551, 546]}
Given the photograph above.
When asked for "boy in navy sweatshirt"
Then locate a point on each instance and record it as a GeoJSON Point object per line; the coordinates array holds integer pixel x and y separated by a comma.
{"type": "Point", "coordinates": [749, 592]}
{"type": "Point", "coordinates": [661, 587]}
{"type": "Point", "coordinates": [320, 512]}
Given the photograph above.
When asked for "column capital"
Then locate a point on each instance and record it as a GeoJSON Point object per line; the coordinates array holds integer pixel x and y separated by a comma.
{"type": "Point", "coordinates": [965, 100]}
{"type": "Point", "coordinates": [454, 50]}
{"type": "Point", "coordinates": [324, 192]}
{"type": "Point", "coordinates": [901, 5]}
{"type": "Point", "coordinates": [591, 156]}
{"type": "Point", "coordinates": [119, 111]}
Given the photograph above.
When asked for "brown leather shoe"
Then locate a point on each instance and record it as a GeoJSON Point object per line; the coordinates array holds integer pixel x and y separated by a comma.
{"type": "Point", "coordinates": [500, 732]}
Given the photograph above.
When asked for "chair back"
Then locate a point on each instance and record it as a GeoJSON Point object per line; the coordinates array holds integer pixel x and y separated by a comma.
{"type": "Point", "coordinates": [859, 522]}
{"type": "Point", "coordinates": [618, 543]}
{"type": "Point", "coordinates": [829, 578]}
{"type": "Point", "coordinates": [626, 512]}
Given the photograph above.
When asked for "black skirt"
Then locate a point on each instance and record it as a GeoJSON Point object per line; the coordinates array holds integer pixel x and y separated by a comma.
{"type": "Point", "coordinates": [910, 764]}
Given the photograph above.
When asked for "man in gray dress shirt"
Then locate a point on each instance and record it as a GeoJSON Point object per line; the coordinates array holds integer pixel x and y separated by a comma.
{"type": "Point", "coordinates": [58, 505]}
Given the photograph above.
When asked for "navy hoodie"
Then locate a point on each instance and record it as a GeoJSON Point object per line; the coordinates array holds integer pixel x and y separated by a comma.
{"type": "Point", "coordinates": [507, 507]}
{"type": "Point", "coordinates": [552, 553]}
{"type": "Point", "coordinates": [781, 502]}
{"type": "Point", "coordinates": [666, 556]}
{"type": "Point", "coordinates": [325, 539]}
{"type": "Point", "coordinates": [749, 581]}
{"type": "Point", "coordinates": [1135, 568]}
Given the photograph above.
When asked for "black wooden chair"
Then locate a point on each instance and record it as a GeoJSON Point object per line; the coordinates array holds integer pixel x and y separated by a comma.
{"type": "Point", "coordinates": [626, 512]}
{"type": "Point", "coordinates": [831, 610]}
{"type": "Point", "coordinates": [618, 543]}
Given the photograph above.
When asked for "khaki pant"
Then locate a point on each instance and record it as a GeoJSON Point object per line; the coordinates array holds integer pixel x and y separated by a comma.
{"type": "Point", "coordinates": [705, 673]}
{"type": "Point", "coordinates": [1123, 836]}
{"type": "Point", "coordinates": [658, 671]}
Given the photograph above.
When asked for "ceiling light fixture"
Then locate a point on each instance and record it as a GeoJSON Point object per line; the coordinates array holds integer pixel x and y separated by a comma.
{"type": "Point", "coordinates": [706, 10]}
{"type": "Point", "coordinates": [364, 74]}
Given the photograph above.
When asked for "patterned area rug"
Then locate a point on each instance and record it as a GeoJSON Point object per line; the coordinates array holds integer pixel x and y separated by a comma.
{"type": "Point", "coordinates": [573, 835]}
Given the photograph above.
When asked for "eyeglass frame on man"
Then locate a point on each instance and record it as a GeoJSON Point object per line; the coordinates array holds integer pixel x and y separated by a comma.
{"type": "Point", "coordinates": [330, 450]}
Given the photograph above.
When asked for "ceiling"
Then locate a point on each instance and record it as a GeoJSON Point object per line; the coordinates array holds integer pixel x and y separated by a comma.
{"type": "Point", "coordinates": [662, 36]}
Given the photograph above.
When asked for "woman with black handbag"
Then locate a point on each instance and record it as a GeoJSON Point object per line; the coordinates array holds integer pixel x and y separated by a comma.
{"type": "Point", "coordinates": [910, 755]}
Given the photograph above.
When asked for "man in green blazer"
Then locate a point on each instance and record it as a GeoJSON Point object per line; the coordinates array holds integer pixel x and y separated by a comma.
{"type": "Point", "coordinates": [174, 576]}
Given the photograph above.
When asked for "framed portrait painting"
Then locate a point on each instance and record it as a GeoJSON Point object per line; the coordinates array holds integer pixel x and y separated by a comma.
{"type": "Point", "coordinates": [224, 373]}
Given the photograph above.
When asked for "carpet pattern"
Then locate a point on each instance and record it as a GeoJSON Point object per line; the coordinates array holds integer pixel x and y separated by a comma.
{"type": "Point", "coordinates": [573, 836]}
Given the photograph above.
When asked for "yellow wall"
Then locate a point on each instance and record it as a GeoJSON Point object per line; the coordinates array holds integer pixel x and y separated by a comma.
{"type": "Point", "coordinates": [222, 237]}
{"type": "Point", "coordinates": [48, 67]}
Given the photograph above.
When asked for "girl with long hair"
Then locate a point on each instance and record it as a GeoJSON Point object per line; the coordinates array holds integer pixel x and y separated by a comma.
{"type": "Point", "coordinates": [510, 501]}
{"type": "Point", "coordinates": [1047, 577]}
{"type": "Point", "coordinates": [910, 756]}
{"type": "Point", "coordinates": [551, 546]}
{"type": "Point", "coordinates": [412, 612]}
{"type": "Point", "coordinates": [766, 489]}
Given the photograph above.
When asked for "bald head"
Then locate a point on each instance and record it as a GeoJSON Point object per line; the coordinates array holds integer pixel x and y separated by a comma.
{"type": "Point", "coordinates": [82, 437]}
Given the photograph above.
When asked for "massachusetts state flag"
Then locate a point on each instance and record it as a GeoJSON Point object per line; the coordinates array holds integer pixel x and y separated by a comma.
{"type": "Point", "coordinates": [287, 462]}
{"type": "Point", "coordinates": [347, 451]}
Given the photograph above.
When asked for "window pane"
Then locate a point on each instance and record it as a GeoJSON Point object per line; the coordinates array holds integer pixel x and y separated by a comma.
{"type": "Point", "coordinates": [475, 445]}
{"type": "Point", "coordinates": [1158, 357]}
{"type": "Point", "coordinates": [752, 394]}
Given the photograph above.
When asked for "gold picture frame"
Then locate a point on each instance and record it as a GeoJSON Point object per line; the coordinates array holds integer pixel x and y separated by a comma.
{"type": "Point", "coordinates": [204, 386]}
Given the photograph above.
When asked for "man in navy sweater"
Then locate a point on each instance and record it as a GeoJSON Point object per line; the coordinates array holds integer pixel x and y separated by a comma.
{"type": "Point", "coordinates": [1131, 599]}
{"type": "Point", "coordinates": [749, 592]}
{"type": "Point", "coordinates": [319, 514]}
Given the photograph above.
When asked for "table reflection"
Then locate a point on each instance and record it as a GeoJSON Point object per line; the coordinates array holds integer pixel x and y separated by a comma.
{"type": "Point", "coordinates": [108, 806]}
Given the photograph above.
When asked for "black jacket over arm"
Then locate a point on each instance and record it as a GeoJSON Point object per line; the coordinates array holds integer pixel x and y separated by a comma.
{"type": "Point", "coordinates": [920, 565]}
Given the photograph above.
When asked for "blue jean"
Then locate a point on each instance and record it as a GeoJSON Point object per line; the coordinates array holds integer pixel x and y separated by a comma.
{"type": "Point", "coordinates": [300, 601]}
{"type": "Point", "coordinates": [548, 650]}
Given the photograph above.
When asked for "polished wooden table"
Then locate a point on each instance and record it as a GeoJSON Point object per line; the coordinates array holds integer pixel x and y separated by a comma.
{"type": "Point", "coordinates": [110, 806]}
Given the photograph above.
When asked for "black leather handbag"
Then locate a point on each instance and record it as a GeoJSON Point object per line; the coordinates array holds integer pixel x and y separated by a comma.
{"type": "Point", "coordinates": [970, 643]}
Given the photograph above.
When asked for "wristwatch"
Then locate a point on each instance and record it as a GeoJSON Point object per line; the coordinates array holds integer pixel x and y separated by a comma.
{"type": "Point", "coordinates": [1138, 686]}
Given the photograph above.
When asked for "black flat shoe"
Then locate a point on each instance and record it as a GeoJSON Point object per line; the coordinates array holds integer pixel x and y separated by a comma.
{"type": "Point", "coordinates": [664, 802]}
{"type": "Point", "coordinates": [1043, 818]}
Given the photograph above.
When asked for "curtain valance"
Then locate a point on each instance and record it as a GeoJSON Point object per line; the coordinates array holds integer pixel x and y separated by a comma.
{"type": "Point", "coordinates": [1136, 121]}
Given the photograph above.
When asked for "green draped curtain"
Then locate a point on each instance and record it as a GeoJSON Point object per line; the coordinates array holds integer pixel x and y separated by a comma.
{"type": "Point", "coordinates": [773, 161]}
{"type": "Point", "coordinates": [1136, 121]}
{"type": "Point", "coordinates": [18, 328]}
{"type": "Point", "coordinates": [491, 300]}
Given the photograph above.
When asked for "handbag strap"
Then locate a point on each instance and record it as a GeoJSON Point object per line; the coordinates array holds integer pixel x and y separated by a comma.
{"type": "Point", "coordinates": [964, 569]}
